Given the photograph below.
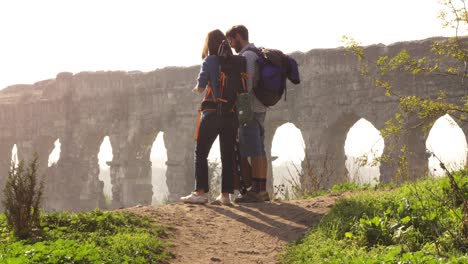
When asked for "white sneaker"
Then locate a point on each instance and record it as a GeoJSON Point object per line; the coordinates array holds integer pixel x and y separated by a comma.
{"type": "Point", "coordinates": [235, 195]}
{"type": "Point", "coordinates": [221, 200]}
{"type": "Point", "coordinates": [193, 198]}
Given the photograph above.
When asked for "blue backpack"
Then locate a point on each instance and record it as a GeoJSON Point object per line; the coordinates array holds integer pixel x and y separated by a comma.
{"type": "Point", "coordinates": [274, 68]}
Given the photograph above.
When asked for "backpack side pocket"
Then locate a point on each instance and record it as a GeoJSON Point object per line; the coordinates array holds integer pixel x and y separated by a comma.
{"type": "Point", "coordinates": [245, 108]}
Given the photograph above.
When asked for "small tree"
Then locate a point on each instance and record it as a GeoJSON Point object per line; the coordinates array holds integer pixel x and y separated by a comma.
{"type": "Point", "coordinates": [449, 59]}
{"type": "Point", "coordinates": [22, 197]}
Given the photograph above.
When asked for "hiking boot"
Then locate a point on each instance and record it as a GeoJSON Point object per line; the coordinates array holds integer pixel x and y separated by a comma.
{"type": "Point", "coordinates": [265, 196]}
{"type": "Point", "coordinates": [250, 197]}
{"type": "Point", "coordinates": [193, 198]}
{"type": "Point", "coordinates": [221, 200]}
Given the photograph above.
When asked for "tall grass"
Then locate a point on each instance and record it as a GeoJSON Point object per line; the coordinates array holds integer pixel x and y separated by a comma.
{"type": "Point", "coordinates": [415, 223]}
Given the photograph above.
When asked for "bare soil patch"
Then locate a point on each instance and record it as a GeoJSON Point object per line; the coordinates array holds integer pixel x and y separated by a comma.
{"type": "Point", "coordinates": [243, 233]}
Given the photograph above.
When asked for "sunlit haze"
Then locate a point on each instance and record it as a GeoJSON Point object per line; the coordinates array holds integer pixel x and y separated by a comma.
{"type": "Point", "coordinates": [43, 38]}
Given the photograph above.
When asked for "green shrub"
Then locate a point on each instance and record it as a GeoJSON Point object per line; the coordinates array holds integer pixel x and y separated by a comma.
{"type": "Point", "coordinates": [22, 198]}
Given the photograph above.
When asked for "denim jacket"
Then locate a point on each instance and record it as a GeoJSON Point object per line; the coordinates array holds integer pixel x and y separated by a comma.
{"type": "Point", "coordinates": [209, 74]}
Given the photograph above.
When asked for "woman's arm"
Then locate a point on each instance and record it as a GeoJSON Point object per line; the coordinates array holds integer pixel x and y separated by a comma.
{"type": "Point", "coordinates": [203, 77]}
{"type": "Point", "coordinates": [209, 74]}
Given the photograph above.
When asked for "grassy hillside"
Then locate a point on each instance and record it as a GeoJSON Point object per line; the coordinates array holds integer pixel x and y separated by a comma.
{"type": "Point", "coordinates": [414, 223]}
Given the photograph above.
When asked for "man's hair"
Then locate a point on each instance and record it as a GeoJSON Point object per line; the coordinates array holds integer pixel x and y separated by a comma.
{"type": "Point", "coordinates": [239, 29]}
{"type": "Point", "coordinates": [212, 42]}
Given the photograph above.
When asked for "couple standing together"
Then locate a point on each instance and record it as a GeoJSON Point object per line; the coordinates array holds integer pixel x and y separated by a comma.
{"type": "Point", "coordinates": [223, 121]}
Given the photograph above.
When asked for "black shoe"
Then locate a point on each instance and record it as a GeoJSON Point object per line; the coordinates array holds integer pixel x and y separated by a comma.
{"type": "Point", "coordinates": [250, 197]}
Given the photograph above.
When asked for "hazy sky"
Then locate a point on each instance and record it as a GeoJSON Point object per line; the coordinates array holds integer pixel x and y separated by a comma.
{"type": "Point", "coordinates": [42, 38]}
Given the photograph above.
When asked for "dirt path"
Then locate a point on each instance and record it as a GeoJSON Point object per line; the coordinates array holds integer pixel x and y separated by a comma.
{"type": "Point", "coordinates": [247, 233]}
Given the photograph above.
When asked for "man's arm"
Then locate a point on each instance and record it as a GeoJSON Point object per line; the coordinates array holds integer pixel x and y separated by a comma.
{"type": "Point", "coordinates": [251, 59]}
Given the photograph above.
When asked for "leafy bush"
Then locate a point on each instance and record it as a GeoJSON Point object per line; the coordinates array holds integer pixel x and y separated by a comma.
{"type": "Point", "coordinates": [415, 223]}
{"type": "Point", "coordinates": [22, 198]}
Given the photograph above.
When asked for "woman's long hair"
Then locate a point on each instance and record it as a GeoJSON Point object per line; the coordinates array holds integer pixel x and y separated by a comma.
{"type": "Point", "coordinates": [212, 42]}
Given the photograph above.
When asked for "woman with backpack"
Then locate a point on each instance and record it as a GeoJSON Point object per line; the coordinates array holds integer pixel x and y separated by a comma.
{"type": "Point", "coordinates": [215, 118]}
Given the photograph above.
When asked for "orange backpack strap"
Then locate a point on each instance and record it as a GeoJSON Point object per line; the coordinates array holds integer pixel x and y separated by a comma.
{"type": "Point", "coordinates": [197, 130]}
{"type": "Point", "coordinates": [222, 83]}
{"type": "Point", "coordinates": [244, 77]}
{"type": "Point", "coordinates": [208, 93]}
{"type": "Point", "coordinates": [200, 112]}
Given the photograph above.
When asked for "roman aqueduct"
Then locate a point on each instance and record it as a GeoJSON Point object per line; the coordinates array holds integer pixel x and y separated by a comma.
{"type": "Point", "coordinates": [133, 107]}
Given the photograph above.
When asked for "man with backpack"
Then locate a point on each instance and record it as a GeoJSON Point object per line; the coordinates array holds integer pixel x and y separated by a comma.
{"type": "Point", "coordinates": [268, 70]}
{"type": "Point", "coordinates": [252, 132]}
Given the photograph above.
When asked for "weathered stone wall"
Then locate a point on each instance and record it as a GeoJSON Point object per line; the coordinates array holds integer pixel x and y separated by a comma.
{"type": "Point", "coordinates": [132, 107]}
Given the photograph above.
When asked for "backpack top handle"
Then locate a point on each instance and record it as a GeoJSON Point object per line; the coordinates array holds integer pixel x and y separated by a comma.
{"type": "Point", "coordinates": [224, 49]}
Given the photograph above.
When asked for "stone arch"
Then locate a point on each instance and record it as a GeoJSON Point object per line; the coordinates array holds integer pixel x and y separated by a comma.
{"type": "Point", "coordinates": [448, 142]}
{"type": "Point", "coordinates": [75, 177]}
{"type": "Point", "coordinates": [14, 154]}
{"type": "Point", "coordinates": [117, 167]}
{"type": "Point", "coordinates": [271, 125]}
{"type": "Point", "coordinates": [179, 142]}
{"type": "Point", "coordinates": [104, 157]}
{"type": "Point", "coordinates": [130, 168]}
{"type": "Point", "coordinates": [215, 169]}
{"type": "Point", "coordinates": [158, 170]}
{"type": "Point", "coordinates": [287, 155]}
{"type": "Point", "coordinates": [363, 146]}
{"type": "Point", "coordinates": [52, 177]}
{"type": "Point", "coordinates": [42, 146]}
{"type": "Point", "coordinates": [325, 149]}
{"type": "Point", "coordinates": [92, 190]}
{"type": "Point", "coordinates": [464, 126]}
{"type": "Point", "coordinates": [54, 155]}
{"type": "Point", "coordinates": [414, 144]}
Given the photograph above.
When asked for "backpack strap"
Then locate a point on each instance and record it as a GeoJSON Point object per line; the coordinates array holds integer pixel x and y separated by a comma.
{"type": "Point", "coordinates": [197, 130]}
{"type": "Point", "coordinates": [208, 93]}
{"type": "Point", "coordinates": [244, 77]}
{"type": "Point", "coordinates": [222, 83]}
{"type": "Point", "coordinates": [256, 50]}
